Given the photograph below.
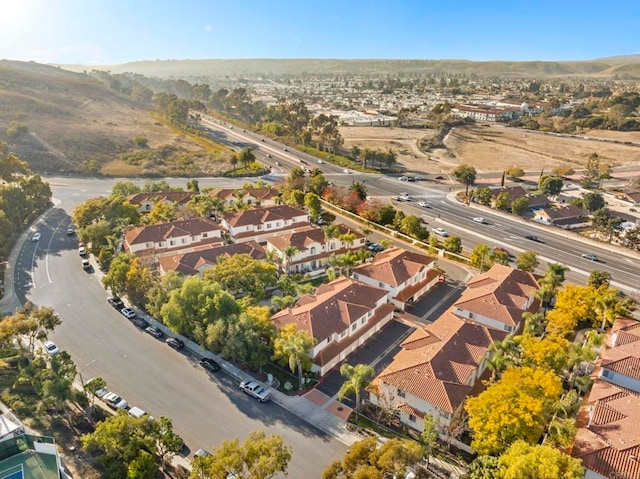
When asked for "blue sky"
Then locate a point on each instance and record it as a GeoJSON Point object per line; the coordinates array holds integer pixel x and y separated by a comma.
{"type": "Point", "coordinates": [118, 31]}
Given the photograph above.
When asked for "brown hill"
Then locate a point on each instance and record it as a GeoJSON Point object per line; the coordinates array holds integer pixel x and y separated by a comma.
{"type": "Point", "coordinates": [66, 122]}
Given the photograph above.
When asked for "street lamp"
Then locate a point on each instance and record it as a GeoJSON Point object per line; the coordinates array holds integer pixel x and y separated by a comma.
{"type": "Point", "coordinates": [83, 368]}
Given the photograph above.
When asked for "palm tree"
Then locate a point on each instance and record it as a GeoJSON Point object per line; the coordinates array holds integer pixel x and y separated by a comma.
{"type": "Point", "coordinates": [295, 346]}
{"type": "Point", "coordinates": [331, 231]}
{"type": "Point", "coordinates": [358, 377]}
{"type": "Point", "coordinates": [358, 188]}
{"type": "Point", "coordinates": [348, 239]}
{"type": "Point", "coordinates": [611, 305]}
{"type": "Point", "coordinates": [234, 162]}
{"type": "Point", "coordinates": [282, 302]}
{"type": "Point", "coordinates": [289, 252]}
{"type": "Point", "coordinates": [355, 152]}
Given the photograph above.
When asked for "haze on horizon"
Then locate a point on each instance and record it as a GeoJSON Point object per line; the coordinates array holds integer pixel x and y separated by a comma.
{"type": "Point", "coordinates": [104, 32]}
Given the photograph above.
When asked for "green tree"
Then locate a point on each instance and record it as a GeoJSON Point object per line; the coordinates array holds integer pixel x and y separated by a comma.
{"type": "Point", "coordinates": [429, 435]}
{"type": "Point", "coordinates": [168, 443]}
{"type": "Point", "coordinates": [524, 461]}
{"type": "Point", "coordinates": [312, 202]}
{"type": "Point", "coordinates": [357, 378]}
{"type": "Point", "coordinates": [141, 141]}
{"type": "Point", "coordinates": [412, 226]}
{"type": "Point", "coordinates": [519, 206]}
{"type": "Point", "coordinates": [465, 174]}
{"type": "Point", "coordinates": [593, 201]}
{"type": "Point", "coordinates": [293, 345]}
{"type": "Point", "coordinates": [92, 387]}
{"type": "Point", "coordinates": [483, 195]}
{"type": "Point", "coordinates": [550, 185]}
{"type": "Point", "coordinates": [453, 244]}
{"type": "Point", "coordinates": [527, 261]}
{"type": "Point", "coordinates": [481, 257]}
{"type": "Point", "coordinates": [483, 467]}
{"type": "Point", "coordinates": [258, 457]}
{"type": "Point", "coordinates": [116, 278]}
{"type": "Point", "coordinates": [124, 189]}
{"type": "Point", "coordinates": [241, 274]}
{"type": "Point", "coordinates": [144, 466]}
{"type": "Point", "coordinates": [234, 162]}
{"type": "Point", "coordinates": [598, 278]}
{"type": "Point", "coordinates": [515, 172]}
{"type": "Point", "coordinates": [359, 190]}
{"type": "Point", "coordinates": [247, 157]}
{"type": "Point", "coordinates": [502, 201]}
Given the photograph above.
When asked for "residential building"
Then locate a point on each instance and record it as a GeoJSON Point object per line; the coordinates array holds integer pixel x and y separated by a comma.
{"type": "Point", "coordinates": [435, 370]}
{"type": "Point", "coordinates": [486, 112]}
{"type": "Point", "coordinates": [198, 261]}
{"type": "Point", "coordinates": [406, 275]}
{"type": "Point", "coordinates": [341, 316]}
{"type": "Point", "coordinates": [498, 298]}
{"type": "Point", "coordinates": [179, 234]}
{"type": "Point", "coordinates": [607, 440]}
{"type": "Point", "coordinates": [311, 248]}
{"type": "Point", "coordinates": [145, 202]}
{"type": "Point", "coordinates": [566, 217]}
{"type": "Point", "coordinates": [248, 196]}
{"type": "Point", "coordinates": [514, 193]}
{"type": "Point", "coordinates": [26, 455]}
{"type": "Point", "coordinates": [259, 224]}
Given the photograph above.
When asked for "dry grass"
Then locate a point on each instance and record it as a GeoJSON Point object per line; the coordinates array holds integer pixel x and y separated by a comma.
{"type": "Point", "coordinates": [495, 148]}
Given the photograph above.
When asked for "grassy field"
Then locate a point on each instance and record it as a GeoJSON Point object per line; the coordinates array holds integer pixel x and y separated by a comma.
{"type": "Point", "coordinates": [495, 148]}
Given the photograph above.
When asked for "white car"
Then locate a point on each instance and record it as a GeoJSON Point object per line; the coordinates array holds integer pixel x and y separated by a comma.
{"type": "Point", "coordinates": [590, 256]}
{"type": "Point", "coordinates": [51, 348]}
{"type": "Point", "coordinates": [115, 401]}
{"type": "Point", "coordinates": [440, 231]}
{"type": "Point", "coordinates": [128, 313]}
{"type": "Point", "coordinates": [254, 389]}
{"type": "Point", "coordinates": [82, 251]}
{"type": "Point", "coordinates": [423, 204]}
{"type": "Point", "coordinates": [478, 219]}
{"type": "Point", "coordinates": [99, 392]}
{"type": "Point", "coordinates": [320, 162]}
{"type": "Point", "coordinates": [346, 171]}
{"type": "Point", "coordinates": [36, 236]}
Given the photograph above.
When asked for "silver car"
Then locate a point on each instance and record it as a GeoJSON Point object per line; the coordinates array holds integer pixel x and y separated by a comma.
{"type": "Point", "coordinates": [255, 390]}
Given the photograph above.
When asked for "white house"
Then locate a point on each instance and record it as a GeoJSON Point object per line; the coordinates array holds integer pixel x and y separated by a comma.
{"type": "Point", "coordinates": [259, 224]}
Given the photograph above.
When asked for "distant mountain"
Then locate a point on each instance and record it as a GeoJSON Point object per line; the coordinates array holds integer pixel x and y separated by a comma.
{"type": "Point", "coordinates": [296, 67]}
{"type": "Point", "coordinates": [617, 60]}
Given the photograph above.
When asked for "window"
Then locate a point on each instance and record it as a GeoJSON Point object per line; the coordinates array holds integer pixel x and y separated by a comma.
{"type": "Point", "coordinates": [412, 418]}
{"type": "Point", "coordinates": [278, 224]}
{"type": "Point", "coordinates": [205, 235]}
{"type": "Point", "coordinates": [332, 246]}
{"type": "Point", "coordinates": [607, 373]}
{"type": "Point", "coordinates": [381, 284]}
{"type": "Point", "coordinates": [470, 315]}
{"type": "Point", "coordinates": [508, 328]}
{"type": "Point", "coordinates": [313, 250]}
{"type": "Point", "coordinates": [171, 243]}
{"type": "Point", "coordinates": [401, 393]}
{"type": "Point", "coordinates": [353, 326]}
{"type": "Point", "coordinates": [268, 226]}
{"type": "Point", "coordinates": [342, 334]}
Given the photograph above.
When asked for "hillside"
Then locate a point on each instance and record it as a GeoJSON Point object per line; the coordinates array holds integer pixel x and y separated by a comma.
{"type": "Point", "coordinates": [259, 67]}
{"type": "Point", "coordinates": [66, 122]}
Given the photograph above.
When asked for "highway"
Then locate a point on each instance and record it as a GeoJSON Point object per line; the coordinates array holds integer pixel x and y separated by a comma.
{"type": "Point", "coordinates": [503, 230]}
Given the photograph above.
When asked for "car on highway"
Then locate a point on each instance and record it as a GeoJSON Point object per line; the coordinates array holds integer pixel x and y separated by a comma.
{"type": "Point", "coordinates": [255, 390]}
{"type": "Point", "coordinates": [500, 249]}
{"type": "Point", "coordinates": [320, 162]}
{"type": "Point", "coordinates": [532, 238]}
{"type": "Point", "coordinates": [36, 236]}
{"type": "Point", "coordinates": [128, 313]}
{"type": "Point", "coordinates": [209, 364]}
{"type": "Point", "coordinates": [261, 139]}
{"type": "Point", "coordinates": [424, 204]}
{"type": "Point", "coordinates": [175, 343]}
{"type": "Point", "coordinates": [478, 219]}
{"type": "Point", "coordinates": [115, 302]}
{"type": "Point", "coordinates": [154, 331]}
{"type": "Point", "coordinates": [346, 171]}
{"type": "Point", "coordinates": [285, 149]}
{"type": "Point", "coordinates": [441, 232]}
{"type": "Point", "coordinates": [589, 256]}
{"type": "Point", "coordinates": [114, 401]}
{"type": "Point", "coordinates": [51, 348]}
{"type": "Point", "coordinates": [404, 178]}
{"type": "Point", "coordinates": [141, 323]}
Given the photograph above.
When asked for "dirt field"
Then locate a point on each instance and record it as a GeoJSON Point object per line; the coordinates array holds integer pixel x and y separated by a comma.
{"type": "Point", "coordinates": [495, 147]}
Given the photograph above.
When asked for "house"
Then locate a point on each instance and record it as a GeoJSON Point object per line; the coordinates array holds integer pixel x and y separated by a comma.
{"type": "Point", "coordinates": [407, 276]}
{"type": "Point", "coordinates": [486, 112]}
{"type": "Point", "coordinates": [26, 455]}
{"type": "Point", "coordinates": [537, 201]}
{"type": "Point", "coordinates": [607, 440]}
{"type": "Point", "coordinates": [144, 202]}
{"type": "Point", "coordinates": [250, 196]}
{"type": "Point", "coordinates": [341, 316]}
{"type": "Point", "coordinates": [514, 193]}
{"type": "Point", "coordinates": [175, 235]}
{"type": "Point", "coordinates": [436, 369]}
{"type": "Point", "coordinates": [261, 223]}
{"type": "Point", "coordinates": [633, 198]}
{"type": "Point", "coordinates": [566, 217]}
{"type": "Point", "coordinates": [498, 298]}
{"type": "Point", "coordinates": [196, 262]}
{"type": "Point", "coordinates": [311, 248]}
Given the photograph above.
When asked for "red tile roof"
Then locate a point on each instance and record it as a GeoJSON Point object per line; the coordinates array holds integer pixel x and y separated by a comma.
{"type": "Point", "coordinates": [394, 266]}
{"type": "Point", "coordinates": [500, 294]}
{"type": "Point", "coordinates": [189, 263]}
{"type": "Point", "coordinates": [436, 361]}
{"type": "Point", "coordinates": [179, 197]}
{"type": "Point", "coordinates": [332, 308]}
{"type": "Point", "coordinates": [258, 216]}
{"type": "Point", "coordinates": [258, 193]}
{"type": "Point", "coordinates": [165, 231]}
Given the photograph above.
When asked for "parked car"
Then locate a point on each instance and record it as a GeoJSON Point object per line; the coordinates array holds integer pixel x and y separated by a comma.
{"type": "Point", "coordinates": [100, 392]}
{"type": "Point", "coordinates": [375, 247]}
{"type": "Point", "coordinates": [201, 453]}
{"type": "Point", "coordinates": [36, 236]}
{"type": "Point", "coordinates": [135, 411]}
{"type": "Point", "coordinates": [51, 348]}
{"type": "Point", "coordinates": [141, 323]}
{"type": "Point", "coordinates": [82, 251]}
{"type": "Point", "coordinates": [440, 231]}
{"type": "Point", "coordinates": [128, 313]}
{"type": "Point", "coordinates": [115, 302]}
{"type": "Point", "coordinates": [590, 256]}
{"type": "Point", "coordinates": [154, 331]}
{"type": "Point", "coordinates": [70, 231]}
{"type": "Point", "coordinates": [175, 343]}
{"type": "Point", "coordinates": [85, 264]}
{"type": "Point", "coordinates": [255, 390]}
{"type": "Point", "coordinates": [209, 364]}
{"type": "Point", "coordinates": [114, 401]}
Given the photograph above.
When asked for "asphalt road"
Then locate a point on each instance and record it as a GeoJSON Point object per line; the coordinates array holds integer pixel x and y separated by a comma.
{"type": "Point", "coordinates": [206, 410]}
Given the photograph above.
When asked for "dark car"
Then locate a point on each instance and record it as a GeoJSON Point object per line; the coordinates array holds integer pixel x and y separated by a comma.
{"type": "Point", "coordinates": [532, 238]}
{"type": "Point", "coordinates": [141, 323]}
{"type": "Point", "coordinates": [175, 343]}
{"type": "Point", "coordinates": [153, 331]}
{"type": "Point", "coordinates": [115, 302]}
{"type": "Point", "coordinates": [209, 364]}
